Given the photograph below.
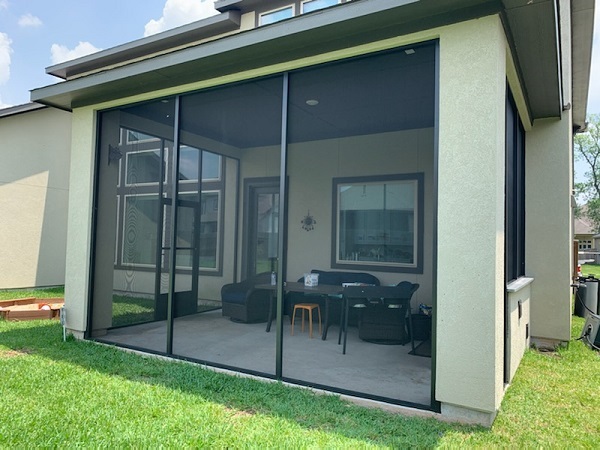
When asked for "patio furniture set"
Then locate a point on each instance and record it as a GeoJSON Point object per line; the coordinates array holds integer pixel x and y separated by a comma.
{"type": "Point", "coordinates": [382, 313]}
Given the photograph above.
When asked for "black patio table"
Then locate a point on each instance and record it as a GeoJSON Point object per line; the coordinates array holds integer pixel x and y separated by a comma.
{"type": "Point", "coordinates": [326, 291]}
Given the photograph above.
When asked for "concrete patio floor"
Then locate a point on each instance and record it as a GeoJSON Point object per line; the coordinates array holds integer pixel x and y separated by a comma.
{"type": "Point", "coordinates": [376, 370]}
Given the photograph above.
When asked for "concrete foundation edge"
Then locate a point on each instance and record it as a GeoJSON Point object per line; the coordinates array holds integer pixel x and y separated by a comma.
{"type": "Point", "coordinates": [455, 413]}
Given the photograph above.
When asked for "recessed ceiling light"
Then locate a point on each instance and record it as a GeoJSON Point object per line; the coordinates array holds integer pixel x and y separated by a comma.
{"type": "Point", "coordinates": [410, 51]}
{"type": "Point", "coordinates": [312, 102]}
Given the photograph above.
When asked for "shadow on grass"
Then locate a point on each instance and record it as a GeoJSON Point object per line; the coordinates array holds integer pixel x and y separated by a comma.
{"type": "Point", "coordinates": [327, 414]}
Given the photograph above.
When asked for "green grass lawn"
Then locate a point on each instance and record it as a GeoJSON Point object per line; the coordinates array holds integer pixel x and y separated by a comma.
{"type": "Point", "coordinates": [81, 394]}
{"type": "Point", "coordinates": [126, 310]}
{"type": "Point", "coordinates": [590, 269]}
{"type": "Point", "coordinates": [51, 292]}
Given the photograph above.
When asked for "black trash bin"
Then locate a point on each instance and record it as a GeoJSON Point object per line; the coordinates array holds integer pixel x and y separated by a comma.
{"type": "Point", "coordinates": [587, 294]}
{"type": "Point", "coordinates": [580, 294]}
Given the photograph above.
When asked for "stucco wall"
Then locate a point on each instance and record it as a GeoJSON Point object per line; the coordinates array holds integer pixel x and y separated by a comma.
{"type": "Point", "coordinates": [80, 218]}
{"type": "Point", "coordinates": [548, 202]}
{"type": "Point", "coordinates": [548, 189]}
{"type": "Point", "coordinates": [470, 289]}
{"type": "Point", "coordinates": [519, 303]}
{"type": "Point", "coordinates": [34, 188]}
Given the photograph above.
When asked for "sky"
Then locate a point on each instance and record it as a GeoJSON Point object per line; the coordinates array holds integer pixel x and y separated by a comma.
{"type": "Point", "coordinates": [35, 34]}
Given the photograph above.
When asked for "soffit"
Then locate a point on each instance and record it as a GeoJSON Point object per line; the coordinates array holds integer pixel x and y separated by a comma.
{"type": "Point", "coordinates": [248, 115]}
{"type": "Point", "coordinates": [531, 26]}
{"type": "Point", "coordinates": [582, 18]}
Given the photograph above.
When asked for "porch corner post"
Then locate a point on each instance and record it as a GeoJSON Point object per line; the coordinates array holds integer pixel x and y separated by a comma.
{"type": "Point", "coordinates": [282, 226]}
{"type": "Point", "coordinates": [173, 236]}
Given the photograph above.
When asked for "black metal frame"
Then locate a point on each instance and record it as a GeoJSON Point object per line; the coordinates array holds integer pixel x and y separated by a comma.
{"type": "Point", "coordinates": [514, 216]}
{"type": "Point", "coordinates": [434, 405]}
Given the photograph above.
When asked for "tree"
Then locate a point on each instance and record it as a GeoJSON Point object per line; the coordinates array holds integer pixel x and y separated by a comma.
{"type": "Point", "coordinates": [586, 147]}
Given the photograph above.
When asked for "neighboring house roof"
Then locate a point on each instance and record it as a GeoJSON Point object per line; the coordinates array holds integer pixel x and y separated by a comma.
{"type": "Point", "coordinates": [145, 64]}
{"type": "Point", "coordinates": [583, 225]}
{"type": "Point", "coordinates": [160, 42]}
{"type": "Point", "coordinates": [20, 109]}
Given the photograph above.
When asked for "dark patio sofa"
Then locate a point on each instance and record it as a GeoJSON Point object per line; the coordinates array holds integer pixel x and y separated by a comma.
{"type": "Point", "coordinates": [242, 302]}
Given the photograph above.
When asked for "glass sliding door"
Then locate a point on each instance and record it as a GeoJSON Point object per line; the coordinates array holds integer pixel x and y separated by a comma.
{"type": "Point", "coordinates": [226, 135]}
{"type": "Point", "coordinates": [261, 226]}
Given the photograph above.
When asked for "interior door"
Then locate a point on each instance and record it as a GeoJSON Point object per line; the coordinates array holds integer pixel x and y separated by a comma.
{"type": "Point", "coordinates": [262, 225]}
{"type": "Point", "coordinates": [186, 246]}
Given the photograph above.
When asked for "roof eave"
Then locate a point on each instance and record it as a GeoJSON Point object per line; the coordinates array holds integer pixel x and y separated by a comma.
{"type": "Point", "coordinates": [582, 22]}
{"type": "Point", "coordinates": [186, 34]}
{"type": "Point", "coordinates": [345, 25]}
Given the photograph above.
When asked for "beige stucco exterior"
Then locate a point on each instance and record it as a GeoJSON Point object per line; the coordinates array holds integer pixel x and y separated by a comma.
{"type": "Point", "coordinates": [34, 187]}
{"type": "Point", "coordinates": [471, 215]}
{"type": "Point", "coordinates": [80, 219]}
{"type": "Point", "coordinates": [474, 65]}
{"type": "Point", "coordinates": [548, 256]}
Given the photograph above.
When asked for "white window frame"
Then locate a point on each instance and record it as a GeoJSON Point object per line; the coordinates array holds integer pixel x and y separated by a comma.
{"type": "Point", "coordinates": [204, 180]}
{"type": "Point", "coordinates": [304, 2]}
{"type": "Point", "coordinates": [141, 141]}
{"type": "Point", "coordinates": [132, 264]}
{"type": "Point", "coordinates": [219, 227]}
{"type": "Point", "coordinates": [273, 11]}
{"type": "Point", "coordinates": [116, 261]}
{"type": "Point", "coordinates": [152, 150]}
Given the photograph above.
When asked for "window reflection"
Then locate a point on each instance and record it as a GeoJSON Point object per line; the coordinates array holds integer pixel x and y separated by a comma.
{"type": "Point", "coordinates": [313, 5]}
{"type": "Point", "coordinates": [277, 15]}
{"type": "Point", "coordinates": [188, 164]}
{"type": "Point", "coordinates": [377, 222]}
{"type": "Point", "coordinates": [139, 229]}
{"type": "Point", "coordinates": [144, 167]}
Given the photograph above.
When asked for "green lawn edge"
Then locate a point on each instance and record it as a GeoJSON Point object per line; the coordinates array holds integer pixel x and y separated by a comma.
{"type": "Point", "coordinates": [84, 394]}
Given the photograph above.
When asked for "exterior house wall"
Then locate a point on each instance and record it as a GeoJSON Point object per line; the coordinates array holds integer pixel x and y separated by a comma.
{"type": "Point", "coordinates": [34, 189]}
{"type": "Point", "coordinates": [470, 288]}
{"type": "Point", "coordinates": [548, 201]}
{"type": "Point", "coordinates": [79, 228]}
{"type": "Point", "coordinates": [470, 240]}
{"type": "Point", "coordinates": [519, 306]}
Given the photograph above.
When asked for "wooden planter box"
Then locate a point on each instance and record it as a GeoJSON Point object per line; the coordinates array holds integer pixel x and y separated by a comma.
{"type": "Point", "coordinates": [31, 308]}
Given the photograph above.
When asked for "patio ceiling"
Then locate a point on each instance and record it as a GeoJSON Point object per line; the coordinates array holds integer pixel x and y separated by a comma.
{"type": "Point", "coordinates": [531, 26]}
{"type": "Point", "coordinates": [345, 107]}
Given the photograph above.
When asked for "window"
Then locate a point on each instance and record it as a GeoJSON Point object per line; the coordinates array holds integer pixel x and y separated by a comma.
{"type": "Point", "coordinates": [276, 15]}
{"type": "Point", "coordinates": [139, 229]}
{"type": "Point", "coordinates": [378, 222]}
{"type": "Point", "coordinates": [135, 137]}
{"type": "Point", "coordinates": [144, 167]}
{"type": "Point", "coordinates": [515, 193]}
{"type": "Point", "coordinates": [210, 226]}
{"type": "Point", "coordinates": [585, 245]}
{"type": "Point", "coordinates": [188, 165]}
{"type": "Point", "coordinates": [313, 5]}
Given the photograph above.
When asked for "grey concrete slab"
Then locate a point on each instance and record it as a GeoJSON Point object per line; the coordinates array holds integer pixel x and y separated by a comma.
{"type": "Point", "coordinates": [378, 370]}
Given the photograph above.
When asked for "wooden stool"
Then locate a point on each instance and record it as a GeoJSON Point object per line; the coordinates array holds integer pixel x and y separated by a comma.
{"type": "Point", "coordinates": [310, 307]}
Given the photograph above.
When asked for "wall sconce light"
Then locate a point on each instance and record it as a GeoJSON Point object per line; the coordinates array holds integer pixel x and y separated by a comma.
{"type": "Point", "coordinates": [309, 222]}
